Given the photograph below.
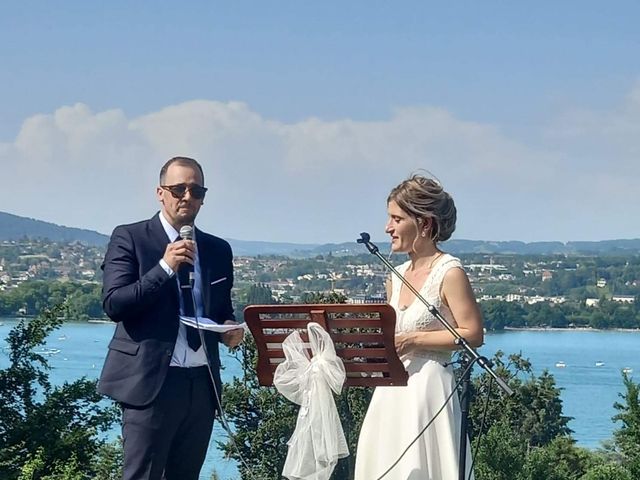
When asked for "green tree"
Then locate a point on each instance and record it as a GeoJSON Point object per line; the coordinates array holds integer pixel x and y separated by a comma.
{"type": "Point", "coordinates": [599, 320]}
{"type": "Point", "coordinates": [627, 437]}
{"type": "Point", "coordinates": [500, 453]}
{"type": "Point", "coordinates": [534, 411]}
{"type": "Point", "coordinates": [42, 427]}
{"type": "Point", "coordinates": [625, 317]}
{"type": "Point", "coordinates": [560, 459]}
{"type": "Point", "coordinates": [498, 314]}
{"type": "Point", "coordinates": [82, 300]}
{"type": "Point", "coordinates": [260, 294]}
{"type": "Point", "coordinates": [527, 437]}
{"type": "Point", "coordinates": [109, 461]}
{"type": "Point", "coordinates": [318, 297]}
{"type": "Point", "coordinates": [608, 471]}
{"type": "Point", "coordinates": [67, 470]}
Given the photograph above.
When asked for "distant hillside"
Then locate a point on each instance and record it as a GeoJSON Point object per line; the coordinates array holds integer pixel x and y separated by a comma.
{"type": "Point", "coordinates": [604, 247]}
{"type": "Point", "coordinates": [248, 248]}
{"type": "Point", "coordinates": [13, 227]}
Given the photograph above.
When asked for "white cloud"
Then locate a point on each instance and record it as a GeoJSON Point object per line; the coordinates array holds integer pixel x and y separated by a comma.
{"type": "Point", "coordinates": [318, 180]}
{"type": "Point", "coordinates": [613, 133]}
{"type": "Point", "coordinates": [600, 152]}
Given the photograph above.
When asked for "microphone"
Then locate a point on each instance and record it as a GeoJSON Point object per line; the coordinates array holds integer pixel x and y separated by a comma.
{"type": "Point", "coordinates": [364, 238]}
{"type": "Point", "coordinates": [187, 276]}
{"type": "Point", "coordinates": [186, 232]}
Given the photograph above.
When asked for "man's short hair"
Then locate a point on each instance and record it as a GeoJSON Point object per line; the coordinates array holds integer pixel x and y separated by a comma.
{"type": "Point", "coordinates": [183, 161]}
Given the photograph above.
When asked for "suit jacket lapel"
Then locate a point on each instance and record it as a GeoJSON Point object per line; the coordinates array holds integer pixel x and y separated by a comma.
{"type": "Point", "coordinates": [158, 235]}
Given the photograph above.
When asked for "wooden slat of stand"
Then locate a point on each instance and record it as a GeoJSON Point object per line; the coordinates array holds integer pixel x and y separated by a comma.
{"type": "Point", "coordinates": [363, 336]}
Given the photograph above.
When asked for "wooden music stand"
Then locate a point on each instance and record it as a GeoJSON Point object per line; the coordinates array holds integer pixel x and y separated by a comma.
{"type": "Point", "coordinates": [363, 336]}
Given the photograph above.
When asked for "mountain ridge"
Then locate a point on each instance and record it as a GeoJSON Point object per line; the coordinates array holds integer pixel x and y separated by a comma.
{"type": "Point", "coordinates": [14, 227]}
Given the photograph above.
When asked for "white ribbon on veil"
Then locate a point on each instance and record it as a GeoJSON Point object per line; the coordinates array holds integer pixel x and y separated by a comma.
{"type": "Point", "coordinates": [318, 440]}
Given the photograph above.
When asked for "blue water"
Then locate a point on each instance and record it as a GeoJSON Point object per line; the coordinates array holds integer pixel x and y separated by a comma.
{"type": "Point", "coordinates": [588, 391]}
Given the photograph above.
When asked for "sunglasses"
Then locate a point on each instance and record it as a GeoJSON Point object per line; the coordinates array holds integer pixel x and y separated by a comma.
{"type": "Point", "coordinates": [180, 190]}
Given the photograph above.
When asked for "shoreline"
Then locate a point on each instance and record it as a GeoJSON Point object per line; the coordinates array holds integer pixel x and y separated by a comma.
{"type": "Point", "coordinates": [29, 317]}
{"type": "Point", "coordinates": [564, 329]}
{"type": "Point", "coordinates": [106, 320]}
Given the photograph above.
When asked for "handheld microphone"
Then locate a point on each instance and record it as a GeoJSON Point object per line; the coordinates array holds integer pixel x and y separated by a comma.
{"type": "Point", "coordinates": [186, 269]}
{"type": "Point", "coordinates": [186, 232]}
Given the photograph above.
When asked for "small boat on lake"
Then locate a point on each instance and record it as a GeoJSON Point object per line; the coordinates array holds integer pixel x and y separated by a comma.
{"type": "Point", "coordinates": [560, 364]}
{"type": "Point", "coordinates": [599, 364]}
{"type": "Point", "coordinates": [627, 370]}
{"type": "Point", "coordinates": [48, 351]}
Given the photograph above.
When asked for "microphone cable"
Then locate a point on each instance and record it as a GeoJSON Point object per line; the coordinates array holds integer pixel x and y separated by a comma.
{"type": "Point", "coordinates": [485, 409]}
{"type": "Point", "coordinates": [186, 233]}
{"type": "Point", "coordinates": [446, 401]}
{"type": "Point", "coordinates": [218, 397]}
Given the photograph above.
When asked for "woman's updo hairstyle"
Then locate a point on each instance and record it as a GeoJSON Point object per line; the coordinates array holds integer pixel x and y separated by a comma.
{"type": "Point", "coordinates": [424, 198]}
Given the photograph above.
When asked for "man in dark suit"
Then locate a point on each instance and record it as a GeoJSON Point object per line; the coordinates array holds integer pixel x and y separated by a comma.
{"type": "Point", "coordinates": [156, 366]}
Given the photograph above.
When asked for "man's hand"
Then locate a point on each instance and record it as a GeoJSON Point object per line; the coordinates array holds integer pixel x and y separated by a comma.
{"type": "Point", "coordinates": [232, 338]}
{"type": "Point", "coordinates": [179, 252]}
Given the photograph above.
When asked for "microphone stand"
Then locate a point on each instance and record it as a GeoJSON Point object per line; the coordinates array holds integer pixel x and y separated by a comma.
{"type": "Point", "coordinates": [468, 358]}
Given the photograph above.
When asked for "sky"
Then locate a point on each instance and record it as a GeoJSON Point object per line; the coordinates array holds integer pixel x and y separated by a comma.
{"type": "Point", "coordinates": [305, 115]}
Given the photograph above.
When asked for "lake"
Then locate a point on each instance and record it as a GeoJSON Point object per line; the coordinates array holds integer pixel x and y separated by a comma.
{"type": "Point", "coordinates": [588, 394]}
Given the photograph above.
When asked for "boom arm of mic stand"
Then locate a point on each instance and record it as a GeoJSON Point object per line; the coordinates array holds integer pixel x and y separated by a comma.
{"type": "Point", "coordinates": [459, 340]}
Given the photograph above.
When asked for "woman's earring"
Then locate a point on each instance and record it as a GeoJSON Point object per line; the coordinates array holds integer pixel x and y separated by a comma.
{"type": "Point", "coordinates": [423, 234]}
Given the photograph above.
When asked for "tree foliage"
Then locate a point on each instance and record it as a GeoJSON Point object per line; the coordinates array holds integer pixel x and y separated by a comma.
{"type": "Point", "coordinates": [627, 437]}
{"type": "Point", "coordinates": [47, 430]}
{"type": "Point", "coordinates": [82, 300]}
{"type": "Point", "coordinates": [527, 437]}
{"type": "Point", "coordinates": [608, 471]}
{"type": "Point", "coordinates": [534, 412]}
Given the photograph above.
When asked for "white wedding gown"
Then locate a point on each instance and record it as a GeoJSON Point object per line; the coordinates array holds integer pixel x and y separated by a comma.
{"type": "Point", "coordinates": [396, 415]}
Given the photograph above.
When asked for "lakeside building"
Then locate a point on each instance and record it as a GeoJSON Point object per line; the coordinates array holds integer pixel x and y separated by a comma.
{"type": "Point", "coordinates": [592, 302]}
{"type": "Point", "coordinates": [623, 298]}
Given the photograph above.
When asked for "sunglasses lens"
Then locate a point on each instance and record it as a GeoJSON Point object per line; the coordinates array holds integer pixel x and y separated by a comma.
{"type": "Point", "coordinates": [178, 191]}
{"type": "Point", "coordinates": [198, 192]}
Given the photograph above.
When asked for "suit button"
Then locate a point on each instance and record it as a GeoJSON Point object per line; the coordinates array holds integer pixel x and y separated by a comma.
{"type": "Point", "coordinates": [169, 353]}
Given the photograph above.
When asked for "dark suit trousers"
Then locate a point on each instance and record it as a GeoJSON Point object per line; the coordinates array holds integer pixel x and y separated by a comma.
{"type": "Point", "coordinates": [168, 439]}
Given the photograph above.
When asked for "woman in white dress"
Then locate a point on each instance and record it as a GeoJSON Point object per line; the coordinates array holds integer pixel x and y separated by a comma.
{"type": "Point", "coordinates": [421, 214]}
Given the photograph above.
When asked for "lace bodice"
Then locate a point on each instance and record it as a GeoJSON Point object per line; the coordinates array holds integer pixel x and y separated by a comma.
{"type": "Point", "coordinates": [416, 316]}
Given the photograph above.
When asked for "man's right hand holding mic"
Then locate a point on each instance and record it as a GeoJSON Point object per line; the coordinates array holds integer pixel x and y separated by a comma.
{"type": "Point", "coordinates": [181, 251]}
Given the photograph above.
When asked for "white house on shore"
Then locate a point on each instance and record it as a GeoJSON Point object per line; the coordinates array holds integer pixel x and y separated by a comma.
{"type": "Point", "coordinates": [623, 298]}
{"type": "Point", "coordinates": [592, 302]}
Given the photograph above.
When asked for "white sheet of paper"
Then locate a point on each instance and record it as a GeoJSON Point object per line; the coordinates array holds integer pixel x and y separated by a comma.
{"type": "Point", "coordinates": [208, 324]}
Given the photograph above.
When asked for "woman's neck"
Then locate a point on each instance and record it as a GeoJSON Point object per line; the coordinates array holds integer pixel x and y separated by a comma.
{"type": "Point", "coordinates": [425, 257]}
